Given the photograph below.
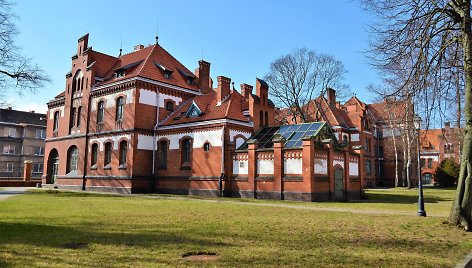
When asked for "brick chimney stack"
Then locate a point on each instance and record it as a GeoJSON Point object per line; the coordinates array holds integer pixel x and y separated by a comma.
{"type": "Point", "coordinates": [262, 90]}
{"type": "Point", "coordinates": [246, 90]}
{"type": "Point", "coordinates": [331, 96]}
{"type": "Point", "coordinates": [82, 44]}
{"type": "Point", "coordinates": [223, 89]}
{"type": "Point", "coordinates": [203, 74]}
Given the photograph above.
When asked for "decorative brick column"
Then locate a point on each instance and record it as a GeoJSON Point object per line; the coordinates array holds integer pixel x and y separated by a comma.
{"type": "Point", "coordinates": [308, 165]}
{"type": "Point", "coordinates": [361, 167]}
{"type": "Point", "coordinates": [252, 164]}
{"type": "Point", "coordinates": [27, 170]}
{"type": "Point", "coordinates": [347, 182]}
{"type": "Point", "coordinates": [331, 170]}
{"type": "Point", "coordinates": [278, 167]}
{"type": "Point", "coordinates": [230, 148]}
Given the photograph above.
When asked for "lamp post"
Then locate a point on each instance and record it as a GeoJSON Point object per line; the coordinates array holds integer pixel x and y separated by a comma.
{"type": "Point", "coordinates": [421, 212]}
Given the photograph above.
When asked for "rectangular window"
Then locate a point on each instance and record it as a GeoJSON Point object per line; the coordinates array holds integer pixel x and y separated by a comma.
{"type": "Point", "coordinates": [368, 167]}
{"type": "Point", "coordinates": [38, 168]}
{"type": "Point", "coordinates": [108, 153]}
{"type": "Point", "coordinates": [9, 167]}
{"type": "Point", "coordinates": [10, 132]}
{"type": "Point", "coordinates": [38, 151]}
{"type": "Point", "coordinates": [430, 162]}
{"type": "Point", "coordinates": [40, 134]}
{"type": "Point", "coordinates": [8, 149]}
{"type": "Point", "coordinates": [422, 163]}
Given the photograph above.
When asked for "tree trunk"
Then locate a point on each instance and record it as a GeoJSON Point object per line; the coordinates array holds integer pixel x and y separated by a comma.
{"type": "Point", "coordinates": [462, 207]}
{"type": "Point", "coordinates": [404, 171]}
{"type": "Point", "coordinates": [408, 144]}
{"type": "Point", "coordinates": [396, 153]}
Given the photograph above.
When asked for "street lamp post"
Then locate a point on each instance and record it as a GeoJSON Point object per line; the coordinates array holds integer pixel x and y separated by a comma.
{"type": "Point", "coordinates": [421, 211]}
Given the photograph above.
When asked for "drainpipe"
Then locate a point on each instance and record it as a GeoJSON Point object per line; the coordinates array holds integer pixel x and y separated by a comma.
{"type": "Point", "coordinates": [154, 142]}
{"type": "Point", "coordinates": [220, 182]}
{"type": "Point", "coordinates": [84, 180]}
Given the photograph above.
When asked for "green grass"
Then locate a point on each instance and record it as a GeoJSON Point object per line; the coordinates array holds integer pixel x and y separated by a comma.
{"type": "Point", "coordinates": [36, 229]}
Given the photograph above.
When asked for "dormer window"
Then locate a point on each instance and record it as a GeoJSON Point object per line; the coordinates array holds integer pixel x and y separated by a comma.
{"type": "Point", "coordinates": [189, 77]}
{"type": "Point", "coordinates": [120, 73]}
{"type": "Point", "coordinates": [193, 111]}
{"type": "Point", "coordinates": [166, 71]}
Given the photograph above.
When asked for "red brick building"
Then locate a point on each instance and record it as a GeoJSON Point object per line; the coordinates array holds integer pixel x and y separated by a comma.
{"type": "Point", "coordinates": [437, 145]}
{"type": "Point", "coordinates": [368, 128]}
{"type": "Point", "coordinates": [143, 122]}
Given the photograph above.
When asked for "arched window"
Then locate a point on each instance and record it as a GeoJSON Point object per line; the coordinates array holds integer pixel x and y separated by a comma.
{"type": "Point", "coordinates": [186, 151]}
{"type": "Point", "coordinates": [169, 106]}
{"type": "Point", "coordinates": [120, 102]}
{"type": "Point", "coordinates": [266, 119]}
{"type": "Point", "coordinates": [56, 121]}
{"type": "Point", "coordinates": [94, 157]}
{"type": "Point", "coordinates": [72, 159]}
{"type": "Point", "coordinates": [163, 154]}
{"type": "Point", "coordinates": [123, 152]}
{"type": "Point", "coordinates": [261, 118]}
{"type": "Point", "coordinates": [77, 81]}
{"type": "Point", "coordinates": [100, 112]}
{"type": "Point", "coordinates": [206, 146]}
{"type": "Point", "coordinates": [108, 148]}
{"type": "Point", "coordinates": [79, 113]}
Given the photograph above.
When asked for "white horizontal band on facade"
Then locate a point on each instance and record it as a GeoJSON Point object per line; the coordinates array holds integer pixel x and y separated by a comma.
{"type": "Point", "coordinates": [157, 83]}
{"type": "Point", "coordinates": [204, 123]}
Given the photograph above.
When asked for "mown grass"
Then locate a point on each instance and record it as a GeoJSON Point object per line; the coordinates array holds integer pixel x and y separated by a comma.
{"type": "Point", "coordinates": [56, 229]}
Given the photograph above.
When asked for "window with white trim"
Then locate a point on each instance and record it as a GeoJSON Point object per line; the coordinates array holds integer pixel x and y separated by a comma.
{"type": "Point", "coordinates": [38, 151]}
{"type": "Point", "coordinates": [38, 168]}
{"type": "Point", "coordinates": [40, 134]}
{"type": "Point", "coordinates": [10, 166]}
{"type": "Point", "coordinates": [10, 132]}
{"type": "Point", "coordinates": [8, 149]}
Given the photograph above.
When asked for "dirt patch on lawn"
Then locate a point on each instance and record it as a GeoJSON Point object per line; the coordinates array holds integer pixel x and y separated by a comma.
{"type": "Point", "coordinates": [200, 256]}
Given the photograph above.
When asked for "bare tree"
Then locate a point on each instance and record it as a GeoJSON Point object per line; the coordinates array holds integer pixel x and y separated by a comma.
{"type": "Point", "coordinates": [16, 71]}
{"type": "Point", "coordinates": [430, 42]}
{"type": "Point", "coordinates": [301, 76]}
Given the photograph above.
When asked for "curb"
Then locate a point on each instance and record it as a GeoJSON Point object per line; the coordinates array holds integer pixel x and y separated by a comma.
{"type": "Point", "coordinates": [466, 262]}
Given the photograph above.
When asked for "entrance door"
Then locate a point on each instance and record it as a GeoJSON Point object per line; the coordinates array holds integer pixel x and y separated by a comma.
{"type": "Point", "coordinates": [338, 184]}
{"type": "Point", "coordinates": [53, 167]}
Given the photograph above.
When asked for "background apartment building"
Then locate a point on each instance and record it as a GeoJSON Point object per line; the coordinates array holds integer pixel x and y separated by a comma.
{"type": "Point", "coordinates": [22, 137]}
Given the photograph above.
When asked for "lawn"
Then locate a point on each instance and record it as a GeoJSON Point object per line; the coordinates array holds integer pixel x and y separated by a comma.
{"type": "Point", "coordinates": [57, 229]}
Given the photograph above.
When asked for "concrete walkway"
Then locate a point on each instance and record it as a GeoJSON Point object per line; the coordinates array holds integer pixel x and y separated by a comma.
{"type": "Point", "coordinates": [6, 192]}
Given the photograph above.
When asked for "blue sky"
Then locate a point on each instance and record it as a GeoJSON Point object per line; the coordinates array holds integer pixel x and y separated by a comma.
{"type": "Point", "coordinates": [239, 38]}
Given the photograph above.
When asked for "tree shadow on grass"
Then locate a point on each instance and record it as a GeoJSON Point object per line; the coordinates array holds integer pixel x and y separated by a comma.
{"type": "Point", "coordinates": [402, 199]}
{"type": "Point", "coordinates": [67, 237]}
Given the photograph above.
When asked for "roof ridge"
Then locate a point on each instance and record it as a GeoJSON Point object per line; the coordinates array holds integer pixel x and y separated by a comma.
{"type": "Point", "coordinates": [146, 60]}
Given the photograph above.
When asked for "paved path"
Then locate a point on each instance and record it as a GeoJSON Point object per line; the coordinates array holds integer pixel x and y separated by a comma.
{"type": "Point", "coordinates": [6, 192]}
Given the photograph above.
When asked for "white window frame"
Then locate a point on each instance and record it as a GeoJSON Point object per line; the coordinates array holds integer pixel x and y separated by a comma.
{"type": "Point", "coordinates": [42, 134]}
{"type": "Point", "coordinates": [10, 166]}
{"type": "Point", "coordinates": [8, 149]}
{"type": "Point", "coordinates": [10, 132]}
{"type": "Point", "coordinates": [39, 151]}
{"type": "Point", "coordinates": [37, 169]}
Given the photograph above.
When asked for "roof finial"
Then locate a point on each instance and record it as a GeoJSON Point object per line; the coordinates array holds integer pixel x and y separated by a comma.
{"type": "Point", "coordinates": [121, 45]}
{"type": "Point", "coordinates": [233, 85]}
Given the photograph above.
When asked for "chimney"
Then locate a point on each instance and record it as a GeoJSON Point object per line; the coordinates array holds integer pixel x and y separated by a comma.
{"type": "Point", "coordinates": [331, 96]}
{"type": "Point", "coordinates": [203, 74]}
{"type": "Point", "coordinates": [138, 47]}
{"type": "Point", "coordinates": [223, 89]}
{"type": "Point", "coordinates": [447, 125]}
{"type": "Point", "coordinates": [246, 90]}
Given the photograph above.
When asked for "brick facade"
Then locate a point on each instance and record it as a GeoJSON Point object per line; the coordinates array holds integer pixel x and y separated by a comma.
{"type": "Point", "coordinates": [142, 122]}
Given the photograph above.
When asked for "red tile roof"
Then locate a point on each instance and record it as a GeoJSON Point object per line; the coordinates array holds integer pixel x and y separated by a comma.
{"type": "Point", "coordinates": [147, 68]}
{"type": "Point", "coordinates": [231, 108]}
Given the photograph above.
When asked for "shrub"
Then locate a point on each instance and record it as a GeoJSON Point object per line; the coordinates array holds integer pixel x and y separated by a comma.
{"type": "Point", "coordinates": [446, 173]}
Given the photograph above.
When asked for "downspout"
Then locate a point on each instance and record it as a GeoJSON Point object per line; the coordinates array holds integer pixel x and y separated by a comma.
{"type": "Point", "coordinates": [154, 143]}
{"type": "Point", "coordinates": [84, 180]}
{"type": "Point", "coordinates": [220, 182]}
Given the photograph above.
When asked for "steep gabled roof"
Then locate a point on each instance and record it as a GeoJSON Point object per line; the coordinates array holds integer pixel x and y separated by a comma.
{"type": "Point", "coordinates": [142, 63]}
